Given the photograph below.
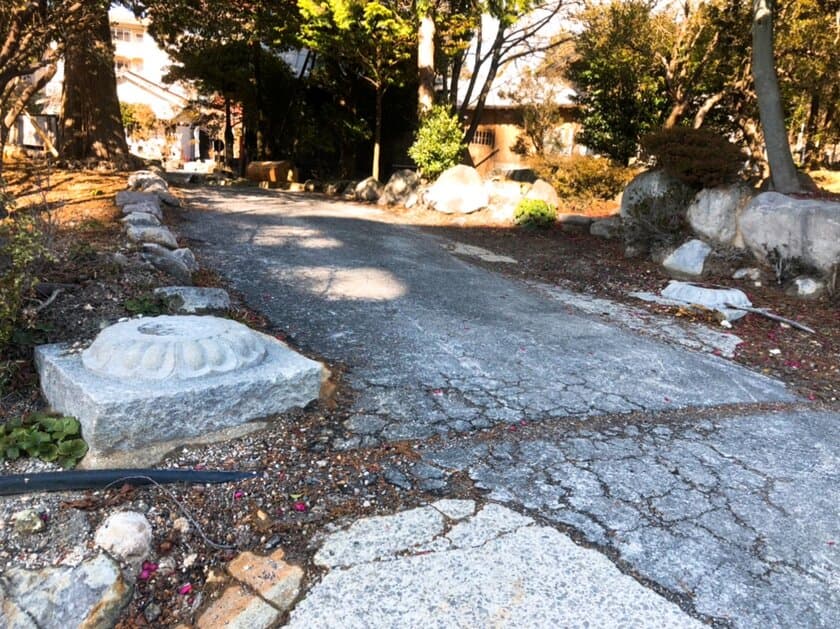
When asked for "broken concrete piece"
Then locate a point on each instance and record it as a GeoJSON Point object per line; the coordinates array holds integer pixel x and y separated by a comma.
{"type": "Point", "coordinates": [145, 386]}
{"type": "Point", "coordinates": [688, 260]}
{"type": "Point", "coordinates": [157, 235]}
{"type": "Point", "coordinates": [509, 572]}
{"type": "Point", "coordinates": [711, 298]}
{"type": "Point", "coordinates": [192, 299]}
{"type": "Point", "coordinates": [805, 287]}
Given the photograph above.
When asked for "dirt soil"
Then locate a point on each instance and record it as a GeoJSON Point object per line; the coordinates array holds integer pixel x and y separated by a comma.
{"type": "Point", "coordinates": [305, 487]}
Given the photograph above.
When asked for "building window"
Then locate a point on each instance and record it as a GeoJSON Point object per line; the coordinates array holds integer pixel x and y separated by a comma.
{"type": "Point", "coordinates": [122, 63]}
{"type": "Point", "coordinates": [120, 34]}
{"type": "Point", "coordinates": [485, 137]}
{"type": "Point", "coordinates": [138, 37]}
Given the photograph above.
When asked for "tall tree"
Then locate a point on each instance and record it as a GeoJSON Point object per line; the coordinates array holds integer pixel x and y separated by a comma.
{"type": "Point", "coordinates": [782, 168]}
{"type": "Point", "coordinates": [622, 89]}
{"type": "Point", "coordinates": [91, 123]}
{"type": "Point", "coordinates": [376, 37]}
{"type": "Point", "coordinates": [32, 39]}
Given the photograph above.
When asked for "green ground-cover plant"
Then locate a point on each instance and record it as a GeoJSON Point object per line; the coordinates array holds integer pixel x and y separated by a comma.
{"type": "Point", "coordinates": [148, 305]}
{"type": "Point", "coordinates": [439, 142]}
{"type": "Point", "coordinates": [535, 213]}
{"type": "Point", "coordinates": [52, 438]}
{"type": "Point", "coordinates": [22, 248]}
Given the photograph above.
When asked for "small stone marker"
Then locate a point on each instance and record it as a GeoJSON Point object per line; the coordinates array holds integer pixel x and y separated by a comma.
{"type": "Point", "coordinates": [146, 386]}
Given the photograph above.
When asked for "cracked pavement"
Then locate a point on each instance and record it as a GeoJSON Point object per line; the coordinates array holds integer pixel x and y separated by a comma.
{"type": "Point", "coordinates": [664, 462]}
{"type": "Point", "coordinates": [432, 343]}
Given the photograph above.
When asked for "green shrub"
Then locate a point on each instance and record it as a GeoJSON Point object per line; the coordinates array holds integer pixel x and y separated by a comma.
{"type": "Point", "coordinates": [438, 143]}
{"type": "Point", "coordinates": [581, 179]}
{"type": "Point", "coordinates": [47, 437]}
{"type": "Point", "coordinates": [21, 249]}
{"type": "Point", "coordinates": [698, 157]}
{"type": "Point", "coordinates": [535, 213]}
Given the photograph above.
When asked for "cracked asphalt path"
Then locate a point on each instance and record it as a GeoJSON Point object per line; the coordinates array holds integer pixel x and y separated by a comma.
{"type": "Point", "coordinates": [733, 516]}
{"type": "Point", "coordinates": [432, 343]}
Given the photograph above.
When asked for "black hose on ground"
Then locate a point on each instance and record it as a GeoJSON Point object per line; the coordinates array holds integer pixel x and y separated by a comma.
{"type": "Point", "coordinates": [100, 479]}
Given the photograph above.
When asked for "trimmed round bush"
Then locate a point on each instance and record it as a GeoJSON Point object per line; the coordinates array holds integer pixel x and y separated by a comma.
{"type": "Point", "coordinates": [535, 213]}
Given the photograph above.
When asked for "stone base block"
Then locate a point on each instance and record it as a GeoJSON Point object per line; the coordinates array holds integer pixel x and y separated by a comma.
{"type": "Point", "coordinates": [137, 422]}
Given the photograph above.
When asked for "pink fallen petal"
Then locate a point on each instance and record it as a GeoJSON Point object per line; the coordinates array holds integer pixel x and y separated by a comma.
{"type": "Point", "coordinates": [299, 506]}
{"type": "Point", "coordinates": [185, 589]}
{"type": "Point", "coordinates": [238, 494]}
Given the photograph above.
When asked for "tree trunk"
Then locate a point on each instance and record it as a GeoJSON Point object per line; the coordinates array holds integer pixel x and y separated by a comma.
{"type": "Point", "coordinates": [377, 132]}
{"type": "Point", "coordinates": [91, 124]}
{"type": "Point", "coordinates": [782, 168]}
{"type": "Point", "coordinates": [228, 135]}
{"type": "Point", "coordinates": [426, 64]}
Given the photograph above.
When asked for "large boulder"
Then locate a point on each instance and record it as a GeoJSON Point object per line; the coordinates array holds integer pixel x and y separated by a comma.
{"type": "Point", "coordinates": [775, 226]}
{"type": "Point", "coordinates": [368, 190]}
{"type": "Point", "coordinates": [713, 215]}
{"type": "Point", "coordinates": [504, 196]}
{"type": "Point", "coordinates": [651, 199]}
{"type": "Point", "coordinates": [459, 190]}
{"type": "Point", "coordinates": [400, 187]}
{"type": "Point", "coordinates": [544, 191]}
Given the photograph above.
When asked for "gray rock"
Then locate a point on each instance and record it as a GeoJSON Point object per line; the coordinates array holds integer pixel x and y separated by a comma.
{"type": "Point", "coordinates": [186, 256]}
{"type": "Point", "coordinates": [579, 221]}
{"type": "Point", "coordinates": [544, 191]}
{"type": "Point", "coordinates": [144, 207]}
{"type": "Point", "coordinates": [805, 287]}
{"type": "Point", "coordinates": [141, 219]}
{"type": "Point", "coordinates": [394, 476]}
{"type": "Point", "coordinates": [365, 424]}
{"type": "Point", "coordinates": [139, 179]}
{"type": "Point", "coordinates": [145, 386]}
{"type": "Point", "coordinates": [131, 197]}
{"type": "Point", "coordinates": [157, 235]}
{"type": "Point", "coordinates": [368, 190]}
{"type": "Point", "coordinates": [688, 259]}
{"type": "Point", "coordinates": [748, 273]}
{"type": "Point", "coordinates": [166, 261]}
{"type": "Point", "coordinates": [608, 228]}
{"type": "Point", "coordinates": [653, 184]}
{"type": "Point", "coordinates": [713, 215]}
{"type": "Point", "coordinates": [711, 298]}
{"type": "Point", "coordinates": [90, 595]}
{"type": "Point", "coordinates": [126, 536]}
{"type": "Point", "coordinates": [161, 190]}
{"type": "Point", "coordinates": [27, 522]}
{"type": "Point", "coordinates": [399, 187]}
{"type": "Point", "coordinates": [192, 299]}
{"type": "Point", "coordinates": [778, 226]}
{"type": "Point", "coordinates": [459, 190]}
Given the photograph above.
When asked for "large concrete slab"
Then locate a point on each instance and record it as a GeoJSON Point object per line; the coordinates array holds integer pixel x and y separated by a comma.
{"type": "Point", "coordinates": [739, 515]}
{"type": "Point", "coordinates": [433, 343]}
{"type": "Point", "coordinates": [495, 569]}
